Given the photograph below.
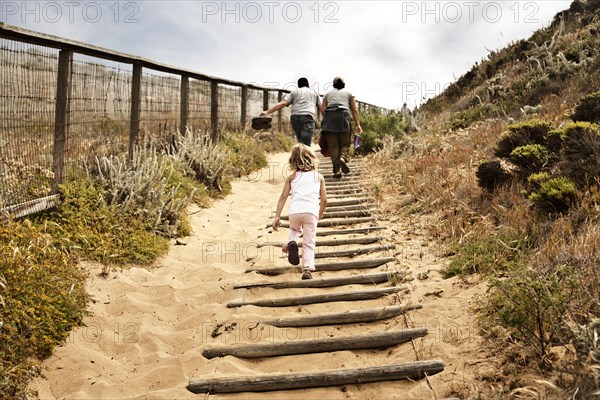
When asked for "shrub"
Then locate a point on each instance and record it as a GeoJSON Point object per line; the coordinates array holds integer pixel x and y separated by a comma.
{"type": "Point", "coordinates": [464, 119]}
{"type": "Point", "coordinates": [370, 142]}
{"type": "Point", "coordinates": [140, 187]}
{"type": "Point", "coordinates": [377, 126]}
{"type": "Point", "coordinates": [245, 154]}
{"type": "Point", "coordinates": [85, 224]}
{"type": "Point", "coordinates": [555, 195]}
{"type": "Point", "coordinates": [580, 154]}
{"type": "Point", "coordinates": [522, 134]}
{"type": "Point", "coordinates": [531, 304]}
{"type": "Point", "coordinates": [43, 296]}
{"type": "Point", "coordinates": [491, 174]}
{"type": "Point", "coordinates": [489, 254]}
{"type": "Point", "coordinates": [588, 109]}
{"type": "Point", "coordinates": [205, 161]}
{"type": "Point", "coordinates": [530, 158]}
{"type": "Point", "coordinates": [536, 180]}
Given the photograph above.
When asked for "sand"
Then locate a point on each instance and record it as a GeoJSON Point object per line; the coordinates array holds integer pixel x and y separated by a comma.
{"type": "Point", "coordinates": [148, 327]}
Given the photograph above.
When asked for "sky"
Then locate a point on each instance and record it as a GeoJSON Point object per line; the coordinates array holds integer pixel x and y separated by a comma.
{"type": "Point", "coordinates": [388, 52]}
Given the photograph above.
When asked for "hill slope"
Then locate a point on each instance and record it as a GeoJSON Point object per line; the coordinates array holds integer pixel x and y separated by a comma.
{"type": "Point", "coordinates": [532, 233]}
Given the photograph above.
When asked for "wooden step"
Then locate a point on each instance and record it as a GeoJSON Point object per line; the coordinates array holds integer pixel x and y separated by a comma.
{"type": "Point", "coordinates": [339, 377]}
{"type": "Point", "coordinates": [339, 214]}
{"type": "Point", "coordinates": [350, 231]}
{"type": "Point", "coordinates": [348, 202]}
{"type": "Point", "coordinates": [354, 252]}
{"type": "Point", "coordinates": [376, 340]}
{"type": "Point", "coordinates": [347, 317]}
{"type": "Point", "coordinates": [336, 242]}
{"type": "Point", "coordinates": [372, 279]}
{"type": "Point", "coordinates": [320, 298]}
{"type": "Point", "coordinates": [336, 222]}
{"type": "Point", "coordinates": [336, 266]}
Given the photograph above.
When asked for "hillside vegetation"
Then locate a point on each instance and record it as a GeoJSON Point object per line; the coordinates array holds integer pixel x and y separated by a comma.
{"type": "Point", "coordinates": [505, 169]}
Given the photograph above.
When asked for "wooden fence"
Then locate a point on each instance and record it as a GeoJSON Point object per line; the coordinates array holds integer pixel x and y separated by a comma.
{"type": "Point", "coordinates": [54, 76]}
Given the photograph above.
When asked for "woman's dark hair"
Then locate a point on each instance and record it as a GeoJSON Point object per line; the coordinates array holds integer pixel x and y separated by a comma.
{"type": "Point", "coordinates": [338, 83]}
{"type": "Point", "coordinates": [302, 82]}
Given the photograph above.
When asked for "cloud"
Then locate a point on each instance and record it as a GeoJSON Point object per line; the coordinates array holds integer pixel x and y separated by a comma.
{"type": "Point", "coordinates": [384, 49]}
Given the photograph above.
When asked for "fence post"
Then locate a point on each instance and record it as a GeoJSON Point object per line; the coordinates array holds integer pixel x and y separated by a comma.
{"type": "Point", "coordinates": [244, 111]}
{"type": "Point", "coordinates": [265, 99]}
{"type": "Point", "coordinates": [136, 104]}
{"type": "Point", "coordinates": [279, 113]}
{"type": "Point", "coordinates": [214, 110]}
{"type": "Point", "coordinates": [61, 116]}
{"type": "Point", "coordinates": [184, 104]}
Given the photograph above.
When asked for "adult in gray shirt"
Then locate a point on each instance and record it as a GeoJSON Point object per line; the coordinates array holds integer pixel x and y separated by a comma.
{"type": "Point", "coordinates": [338, 107]}
{"type": "Point", "coordinates": [305, 105]}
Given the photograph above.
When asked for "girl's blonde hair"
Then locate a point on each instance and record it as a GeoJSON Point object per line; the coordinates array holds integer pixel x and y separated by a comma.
{"type": "Point", "coordinates": [302, 158]}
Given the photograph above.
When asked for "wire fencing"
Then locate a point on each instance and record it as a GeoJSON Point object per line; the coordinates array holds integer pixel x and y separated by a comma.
{"type": "Point", "coordinates": [63, 101]}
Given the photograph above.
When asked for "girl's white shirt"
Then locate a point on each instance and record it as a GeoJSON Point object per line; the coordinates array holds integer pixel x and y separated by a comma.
{"type": "Point", "coordinates": [306, 189]}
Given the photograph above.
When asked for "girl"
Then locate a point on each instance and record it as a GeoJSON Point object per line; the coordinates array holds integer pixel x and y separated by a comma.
{"type": "Point", "coordinates": [308, 203]}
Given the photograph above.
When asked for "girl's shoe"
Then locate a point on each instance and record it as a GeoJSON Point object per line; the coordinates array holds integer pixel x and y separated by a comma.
{"type": "Point", "coordinates": [337, 175]}
{"type": "Point", "coordinates": [293, 257]}
{"type": "Point", "coordinates": [306, 275]}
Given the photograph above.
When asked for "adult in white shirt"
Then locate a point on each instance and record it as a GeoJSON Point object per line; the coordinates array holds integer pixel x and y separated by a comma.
{"type": "Point", "coordinates": [305, 105]}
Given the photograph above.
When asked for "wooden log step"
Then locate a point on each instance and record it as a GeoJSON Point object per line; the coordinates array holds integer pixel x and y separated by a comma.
{"type": "Point", "coordinates": [350, 231]}
{"type": "Point", "coordinates": [337, 266]}
{"type": "Point", "coordinates": [358, 207]}
{"type": "Point", "coordinates": [355, 342]}
{"type": "Point", "coordinates": [338, 196]}
{"type": "Point", "coordinates": [346, 179]}
{"type": "Point", "coordinates": [340, 377]}
{"type": "Point", "coordinates": [337, 242]}
{"type": "Point", "coordinates": [319, 298]}
{"type": "Point", "coordinates": [348, 202]}
{"type": "Point", "coordinates": [354, 252]}
{"type": "Point", "coordinates": [351, 189]}
{"type": "Point", "coordinates": [348, 317]}
{"type": "Point", "coordinates": [345, 193]}
{"type": "Point", "coordinates": [335, 222]}
{"type": "Point", "coordinates": [322, 283]}
{"type": "Point", "coordinates": [338, 214]}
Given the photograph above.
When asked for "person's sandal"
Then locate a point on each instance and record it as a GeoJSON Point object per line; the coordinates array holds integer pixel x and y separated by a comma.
{"type": "Point", "coordinates": [345, 168]}
{"type": "Point", "coordinates": [293, 256]}
{"type": "Point", "coordinates": [306, 275]}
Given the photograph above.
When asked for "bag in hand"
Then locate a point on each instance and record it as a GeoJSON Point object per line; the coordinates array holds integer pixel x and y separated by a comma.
{"type": "Point", "coordinates": [261, 123]}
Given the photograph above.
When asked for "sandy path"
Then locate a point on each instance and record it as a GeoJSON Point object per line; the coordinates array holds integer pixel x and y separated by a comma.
{"type": "Point", "coordinates": [148, 327]}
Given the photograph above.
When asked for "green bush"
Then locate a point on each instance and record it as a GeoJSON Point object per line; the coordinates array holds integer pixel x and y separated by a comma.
{"type": "Point", "coordinates": [522, 134]}
{"type": "Point", "coordinates": [245, 154]}
{"type": "Point", "coordinates": [43, 296]}
{"type": "Point", "coordinates": [464, 119]}
{"type": "Point", "coordinates": [580, 154]}
{"type": "Point", "coordinates": [377, 126]}
{"type": "Point", "coordinates": [530, 158]}
{"type": "Point", "coordinates": [555, 195]}
{"type": "Point", "coordinates": [369, 142]}
{"type": "Point", "coordinates": [531, 304]}
{"type": "Point", "coordinates": [588, 109]}
{"type": "Point", "coordinates": [85, 224]}
{"type": "Point", "coordinates": [488, 255]}
{"type": "Point", "coordinates": [536, 180]}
